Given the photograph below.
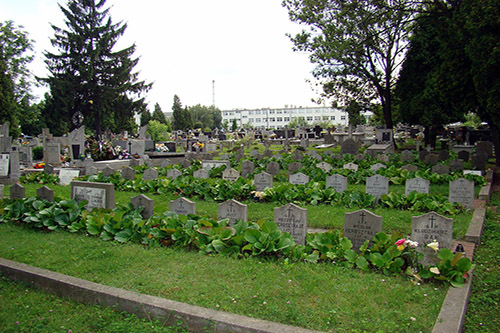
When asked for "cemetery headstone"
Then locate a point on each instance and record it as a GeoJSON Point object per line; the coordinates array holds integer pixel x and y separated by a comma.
{"type": "Point", "coordinates": [201, 174]}
{"type": "Point", "coordinates": [135, 162]}
{"type": "Point", "coordinates": [15, 171]}
{"type": "Point", "coordinates": [76, 140]}
{"type": "Point", "coordinates": [210, 164]}
{"type": "Point", "coordinates": [232, 210]}
{"type": "Point", "coordinates": [463, 155]}
{"type": "Point", "coordinates": [478, 160]}
{"type": "Point", "coordinates": [326, 167]}
{"type": "Point", "coordinates": [143, 201]}
{"type": "Point", "coordinates": [462, 191]}
{"type": "Point", "coordinates": [173, 173]}
{"type": "Point", "coordinates": [185, 163]}
{"type": "Point", "coordinates": [338, 182]}
{"type": "Point", "coordinates": [294, 167]}
{"type": "Point", "coordinates": [299, 179]}
{"type": "Point", "coordinates": [273, 168]}
{"type": "Point", "coordinates": [45, 193]}
{"type": "Point", "coordinates": [230, 174]}
{"type": "Point", "coordinates": [17, 191]}
{"type": "Point", "coordinates": [137, 147]}
{"type": "Point", "coordinates": [351, 166]}
{"type": "Point", "coordinates": [182, 206]}
{"type": "Point", "coordinates": [440, 169]}
{"type": "Point", "coordinates": [431, 158]}
{"type": "Point", "coordinates": [98, 195]}
{"type": "Point", "coordinates": [128, 173]}
{"type": "Point", "coordinates": [107, 171]}
{"type": "Point", "coordinates": [4, 164]}
{"type": "Point", "coordinates": [456, 165]}
{"type": "Point", "coordinates": [165, 162]}
{"type": "Point", "coordinates": [417, 184]}
{"type": "Point", "coordinates": [485, 146]}
{"type": "Point", "coordinates": [48, 168]}
{"type": "Point", "coordinates": [150, 174]}
{"type": "Point", "coordinates": [383, 158]}
{"type": "Point", "coordinates": [406, 156]}
{"type": "Point", "coordinates": [360, 226]}
{"type": "Point", "coordinates": [349, 146]}
{"type": "Point", "coordinates": [52, 153]}
{"type": "Point", "coordinates": [314, 154]}
{"type": "Point", "coordinates": [247, 167]}
{"type": "Point", "coordinates": [67, 175]}
{"type": "Point", "coordinates": [292, 219]}
{"type": "Point", "coordinates": [262, 180]}
{"type": "Point", "coordinates": [1, 190]}
{"type": "Point", "coordinates": [255, 154]}
{"type": "Point", "coordinates": [377, 185]}
{"type": "Point", "coordinates": [377, 166]}
{"type": "Point", "coordinates": [444, 155]}
{"type": "Point", "coordinates": [409, 167]}
{"type": "Point", "coordinates": [297, 154]}
{"type": "Point", "coordinates": [431, 227]}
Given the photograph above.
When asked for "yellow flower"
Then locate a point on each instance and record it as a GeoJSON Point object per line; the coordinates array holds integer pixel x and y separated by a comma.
{"type": "Point", "coordinates": [401, 247]}
{"type": "Point", "coordinates": [434, 245]}
{"type": "Point", "coordinates": [435, 270]}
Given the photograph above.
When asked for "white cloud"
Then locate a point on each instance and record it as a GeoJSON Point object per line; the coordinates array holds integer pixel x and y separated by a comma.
{"type": "Point", "coordinates": [184, 45]}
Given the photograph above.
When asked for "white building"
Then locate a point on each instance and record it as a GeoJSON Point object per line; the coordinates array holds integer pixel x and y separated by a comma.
{"type": "Point", "coordinates": [278, 118]}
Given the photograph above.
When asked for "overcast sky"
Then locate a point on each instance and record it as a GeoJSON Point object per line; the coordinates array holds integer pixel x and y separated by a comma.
{"type": "Point", "coordinates": [185, 45]}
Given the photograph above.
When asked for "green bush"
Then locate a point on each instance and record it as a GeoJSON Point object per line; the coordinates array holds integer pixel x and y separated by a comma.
{"type": "Point", "coordinates": [37, 152]}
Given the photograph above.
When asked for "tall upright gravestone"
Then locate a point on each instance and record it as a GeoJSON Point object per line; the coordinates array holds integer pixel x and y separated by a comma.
{"type": "Point", "coordinates": [232, 210]}
{"type": "Point", "coordinates": [292, 219]}
{"type": "Point", "coordinates": [462, 191]}
{"type": "Point", "coordinates": [428, 228]}
{"type": "Point", "coordinates": [360, 226]}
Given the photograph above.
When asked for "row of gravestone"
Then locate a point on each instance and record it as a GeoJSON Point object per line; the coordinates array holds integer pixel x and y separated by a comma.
{"type": "Point", "coordinates": [359, 226]}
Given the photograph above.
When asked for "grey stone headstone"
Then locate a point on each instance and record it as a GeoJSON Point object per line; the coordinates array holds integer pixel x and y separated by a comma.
{"type": "Point", "coordinates": [383, 158]}
{"type": "Point", "coordinates": [462, 191]}
{"type": "Point", "coordinates": [52, 153]}
{"type": "Point", "coordinates": [351, 166]}
{"type": "Point", "coordinates": [431, 227]}
{"type": "Point", "coordinates": [409, 167]}
{"type": "Point", "coordinates": [478, 160]}
{"type": "Point", "coordinates": [148, 161]}
{"type": "Point", "coordinates": [262, 180]}
{"type": "Point", "coordinates": [292, 219]}
{"type": "Point", "coordinates": [326, 167]}
{"type": "Point", "coordinates": [183, 206]}
{"type": "Point", "coordinates": [297, 154]}
{"type": "Point", "coordinates": [48, 168]}
{"type": "Point", "coordinates": [173, 173]}
{"type": "Point", "coordinates": [137, 147]}
{"type": "Point", "coordinates": [349, 146]}
{"type": "Point", "coordinates": [294, 167]}
{"type": "Point", "coordinates": [273, 168]}
{"type": "Point", "coordinates": [128, 173]}
{"type": "Point", "coordinates": [1, 190]}
{"type": "Point", "coordinates": [201, 174]}
{"type": "Point", "coordinates": [485, 146]}
{"type": "Point", "coordinates": [185, 163]}
{"type": "Point", "coordinates": [45, 193]}
{"type": "Point", "coordinates": [298, 179]}
{"type": "Point", "coordinates": [268, 153]}
{"type": "Point", "coordinates": [406, 156]}
{"type": "Point", "coordinates": [247, 167]}
{"type": "Point", "coordinates": [17, 191]}
{"type": "Point", "coordinates": [456, 165]}
{"type": "Point", "coordinates": [210, 164]}
{"type": "Point", "coordinates": [4, 164]}
{"type": "Point", "coordinates": [232, 210]}
{"type": "Point", "coordinates": [224, 157]}
{"type": "Point", "coordinates": [422, 155]}
{"type": "Point", "coordinates": [440, 169]}
{"type": "Point", "coordinates": [98, 195]}
{"type": "Point", "coordinates": [255, 154]}
{"type": "Point", "coordinates": [377, 185]}
{"type": "Point", "coordinates": [76, 140]}
{"type": "Point", "coordinates": [230, 174]}
{"type": "Point", "coordinates": [377, 167]}
{"type": "Point", "coordinates": [431, 159]}
{"type": "Point", "coordinates": [15, 171]}
{"type": "Point", "coordinates": [136, 162]}
{"type": "Point", "coordinates": [66, 176]}
{"type": "Point", "coordinates": [417, 184]}
{"type": "Point", "coordinates": [360, 226]}
{"type": "Point", "coordinates": [143, 201]}
{"type": "Point", "coordinates": [314, 154]}
{"type": "Point", "coordinates": [92, 171]}
{"type": "Point", "coordinates": [150, 174]}
{"type": "Point", "coordinates": [463, 155]}
{"type": "Point", "coordinates": [166, 162]}
{"type": "Point", "coordinates": [304, 143]}
{"type": "Point", "coordinates": [444, 155]}
{"type": "Point", "coordinates": [142, 131]}
{"type": "Point", "coordinates": [87, 164]}
{"type": "Point", "coordinates": [107, 171]}
{"type": "Point", "coordinates": [383, 135]}
{"type": "Point", "coordinates": [338, 182]}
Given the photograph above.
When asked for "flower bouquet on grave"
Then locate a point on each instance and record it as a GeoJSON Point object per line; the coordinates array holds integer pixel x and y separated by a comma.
{"type": "Point", "coordinates": [160, 147]}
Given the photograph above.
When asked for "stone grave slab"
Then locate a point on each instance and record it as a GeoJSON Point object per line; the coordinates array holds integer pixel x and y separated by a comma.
{"type": "Point", "coordinates": [17, 191]}
{"type": "Point", "coordinates": [441, 169]}
{"type": "Point", "coordinates": [247, 168]}
{"type": "Point", "coordinates": [210, 164]}
{"type": "Point", "coordinates": [338, 182]}
{"type": "Point", "coordinates": [143, 201]}
{"type": "Point", "coordinates": [444, 155]}
{"type": "Point", "coordinates": [409, 167]}
{"type": "Point", "coordinates": [406, 156]}
{"type": "Point", "coordinates": [45, 193]}
{"type": "Point", "coordinates": [52, 153]}
{"type": "Point", "coordinates": [108, 171]}
{"type": "Point", "coordinates": [174, 173]}
{"type": "Point", "coordinates": [262, 180]}
{"type": "Point", "coordinates": [128, 173]}
{"type": "Point", "coordinates": [150, 174]}
{"type": "Point", "coordinates": [463, 155]}
{"type": "Point", "coordinates": [431, 227]}
{"type": "Point", "coordinates": [351, 166]}
{"type": "Point", "coordinates": [377, 166]}
{"type": "Point", "coordinates": [456, 165]}
{"type": "Point", "coordinates": [377, 185]}
{"type": "Point", "coordinates": [462, 191]}
{"type": "Point", "coordinates": [98, 195]}
{"type": "Point", "coordinates": [232, 210]}
{"type": "Point", "coordinates": [273, 168]}
{"type": "Point", "coordinates": [165, 162]}
{"type": "Point", "coordinates": [201, 174]}
{"type": "Point", "coordinates": [298, 179]}
{"type": "Point", "coordinates": [230, 175]}
{"type": "Point", "coordinates": [360, 226]}
{"type": "Point", "coordinates": [294, 167]}
{"type": "Point", "coordinates": [326, 167]}
{"type": "Point", "coordinates": [349, 146]}
{"type": "Point", "coordinates": [417, 184]}
{"type": "Point", "coordinates": [4, 164]}
{"type": "Point", "coordinates": [135, 162]}
{"type": "Point", "coordinates": [292, 219]}
{"type": "Point", "coordinates": [66, 176]}
{"type": "Point", "coordinates": [183, 206]}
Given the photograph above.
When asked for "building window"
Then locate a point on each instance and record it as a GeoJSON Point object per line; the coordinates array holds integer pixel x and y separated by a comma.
{"type": "Point", "coordinates": [257, 120]}
{"type": "Point", "coordinates": [332, 118]}
{"type": "Point", "coordinates": [250, 120]}
{"type": "Point", "coordinates": [272, 119]}
{"type": "Point", "coordinates": [279, 119]}
{"type": "Point", "coordinates": [325, 117]}
{"type": "Point", "coordinates": [257, 112]}
{"type": "Point", "coordinates": [250, 113]}
{"type": "Point", "coordinates": [342, 117]}
{"type": "Point", "coordinates": [309, 118]}
{"type": "Point", "coordinates": [271, 111]}
{"type": "Point", "coordinates": [317, 117]}
{"type": "Point", "coordinates": [286, 118]}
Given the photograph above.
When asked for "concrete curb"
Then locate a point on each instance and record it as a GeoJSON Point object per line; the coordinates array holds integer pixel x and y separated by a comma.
{"type": "Point", "coordinates": [196, 318]}
{"type": "Point", "coordinates": [476, 226]}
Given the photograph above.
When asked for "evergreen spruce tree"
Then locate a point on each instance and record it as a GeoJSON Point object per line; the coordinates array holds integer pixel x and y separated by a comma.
{"type": "Point", "coordinates": [145, 117]}
{"type": "Point", "coordinates": [7, 100]}
{"type": "Point", "coordinates": [178, 114]}
{"type": "Point", "coordinates": [91, 83]}
{"type": "Point", "coordinates": [158, 115]}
